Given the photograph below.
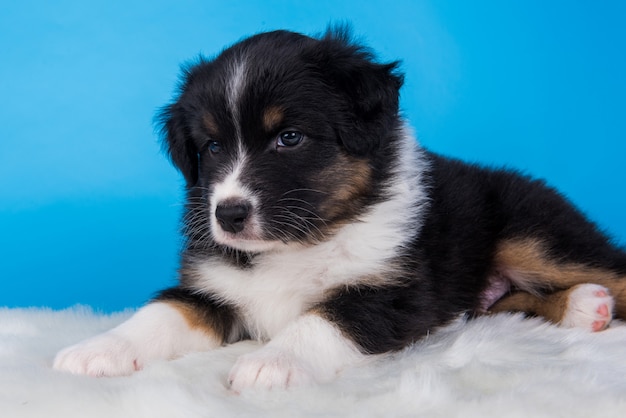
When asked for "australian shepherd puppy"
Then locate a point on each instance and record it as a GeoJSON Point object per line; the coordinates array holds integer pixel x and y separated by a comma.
{"type": "Point", "coordinates": [316, 223]}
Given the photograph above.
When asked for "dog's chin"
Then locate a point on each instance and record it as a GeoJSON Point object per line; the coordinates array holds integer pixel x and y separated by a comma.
{"type": "Point", "coordinates": [249, 245]}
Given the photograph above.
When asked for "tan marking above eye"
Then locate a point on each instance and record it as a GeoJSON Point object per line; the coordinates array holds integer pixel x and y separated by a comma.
{"type": "Point", "coordinates": [210, 124]}
{"type": "Point", "coordinates": [273, 117]}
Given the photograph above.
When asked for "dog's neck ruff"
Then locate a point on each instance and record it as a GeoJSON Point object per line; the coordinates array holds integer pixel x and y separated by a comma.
{"type": "Point", "coordinates": [378, 236]}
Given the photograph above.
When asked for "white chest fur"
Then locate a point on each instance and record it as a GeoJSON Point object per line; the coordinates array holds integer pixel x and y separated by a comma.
{"type": "Point", "coordinates": [284, 284]}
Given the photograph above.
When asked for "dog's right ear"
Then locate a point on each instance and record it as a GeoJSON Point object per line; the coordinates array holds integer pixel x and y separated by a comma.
{"type": "Point", "coordinates": [177, 142]}
{"type": "Point", "coordinates": [369, 89]}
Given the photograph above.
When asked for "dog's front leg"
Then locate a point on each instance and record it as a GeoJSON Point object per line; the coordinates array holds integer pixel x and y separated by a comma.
{"type": "Point", "coordinates": [309, 350]}
{"type": "Point", "coordinates": [159, 330]}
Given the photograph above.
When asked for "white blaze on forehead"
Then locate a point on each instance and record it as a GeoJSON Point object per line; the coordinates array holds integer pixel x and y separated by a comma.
{"type": "Point", "coordinates": [230, 187]}
{"type": "Point", "coordinates": [236, 84]}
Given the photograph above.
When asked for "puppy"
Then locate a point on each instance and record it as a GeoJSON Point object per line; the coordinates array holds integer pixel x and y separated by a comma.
{"type": "Point", "coordinates": [316, 223]}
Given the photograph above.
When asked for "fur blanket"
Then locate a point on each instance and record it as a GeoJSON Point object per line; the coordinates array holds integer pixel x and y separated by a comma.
{"type": "Point", "coordinates": [501, 366]}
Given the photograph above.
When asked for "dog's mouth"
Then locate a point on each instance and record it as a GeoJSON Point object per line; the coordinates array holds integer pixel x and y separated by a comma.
{"type": "Point", "coordinates": [245, 242]}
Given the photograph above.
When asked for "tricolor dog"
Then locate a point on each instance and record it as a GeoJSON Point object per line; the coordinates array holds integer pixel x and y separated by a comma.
{"type": "Point", "coordinates": [315, 222]}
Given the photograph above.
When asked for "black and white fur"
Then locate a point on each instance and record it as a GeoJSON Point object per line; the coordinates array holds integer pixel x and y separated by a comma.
{"type": "Point", "coordinates": [315, 222]}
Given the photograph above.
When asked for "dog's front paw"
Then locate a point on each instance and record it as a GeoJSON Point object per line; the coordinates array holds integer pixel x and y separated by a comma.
{"type": "Point", "coordinates": [269, 368]}
{"type": "Point", "coordinates": [103, 355]}
{"type": "Point", "coordinates": [589, 306]}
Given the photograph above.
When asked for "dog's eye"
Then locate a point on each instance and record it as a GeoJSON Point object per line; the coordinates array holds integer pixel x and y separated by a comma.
{"type": "Point", "coordinates": [214, 147]}
{"type": "Point", "coordinates": [290, 138]}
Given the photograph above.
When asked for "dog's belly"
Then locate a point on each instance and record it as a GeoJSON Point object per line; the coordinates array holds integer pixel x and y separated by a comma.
{"type": "Point", "coordinates": [498, 286]}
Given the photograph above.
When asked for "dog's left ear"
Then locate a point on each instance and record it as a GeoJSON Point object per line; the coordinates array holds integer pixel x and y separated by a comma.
{"type": "Point", "coordinates": [371, 91]}
{"type": "Point", "coordinates": [178, 143]}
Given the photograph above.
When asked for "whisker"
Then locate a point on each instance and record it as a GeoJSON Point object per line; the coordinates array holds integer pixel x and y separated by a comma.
{"type": "Point", "coordinates": [303, 190]}
{"type": "Point", "coordinates": [289, 221]}
{"type": "Point", "coordinates": [315, 215]}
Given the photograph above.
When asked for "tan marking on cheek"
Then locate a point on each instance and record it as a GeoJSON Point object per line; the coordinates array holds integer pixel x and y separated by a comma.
{"type": "Point", "coordinates": [357, 180]}
{"type": "Point", "coordinates": [272, 118]}
{"type": "Point", "coordinates": [346, 182]}
{"type": "Point", "coordinates": [210, 124]}
{"type": "Point", "coordinates": [194, 319]}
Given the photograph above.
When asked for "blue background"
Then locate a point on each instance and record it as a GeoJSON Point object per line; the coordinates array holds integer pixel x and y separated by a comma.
{"type": "Point", "coordinates": [89, 206]}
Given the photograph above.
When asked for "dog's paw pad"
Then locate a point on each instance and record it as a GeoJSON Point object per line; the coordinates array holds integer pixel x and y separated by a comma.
{"type": "Point", "coordinates": [102, 355]}
{"type": "Point", "coordinates": [589, 306]}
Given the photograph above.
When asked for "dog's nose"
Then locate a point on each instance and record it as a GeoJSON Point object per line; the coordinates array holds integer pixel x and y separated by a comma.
{"type": "Point", "coordinates": [232, 218]}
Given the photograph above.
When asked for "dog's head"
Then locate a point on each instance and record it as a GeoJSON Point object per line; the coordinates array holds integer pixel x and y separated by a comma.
{"type": "Point", "coordinates": [280, 138]}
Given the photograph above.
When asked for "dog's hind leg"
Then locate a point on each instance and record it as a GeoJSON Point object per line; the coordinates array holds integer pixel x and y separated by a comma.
{"type": "Point", "coordinates": [563, 291]}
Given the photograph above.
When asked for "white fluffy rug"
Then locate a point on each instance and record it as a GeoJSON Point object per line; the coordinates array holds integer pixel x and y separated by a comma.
{"type": "Point", "coordinates": [502, 366]}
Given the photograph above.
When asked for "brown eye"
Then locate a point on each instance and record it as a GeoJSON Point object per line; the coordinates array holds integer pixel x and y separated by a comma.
{"type": "Point", "coordinates": [290, 138]}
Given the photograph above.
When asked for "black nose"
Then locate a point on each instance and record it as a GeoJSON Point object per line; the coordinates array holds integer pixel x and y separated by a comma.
{"type": "Point", "coordinates": [232, 218]}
